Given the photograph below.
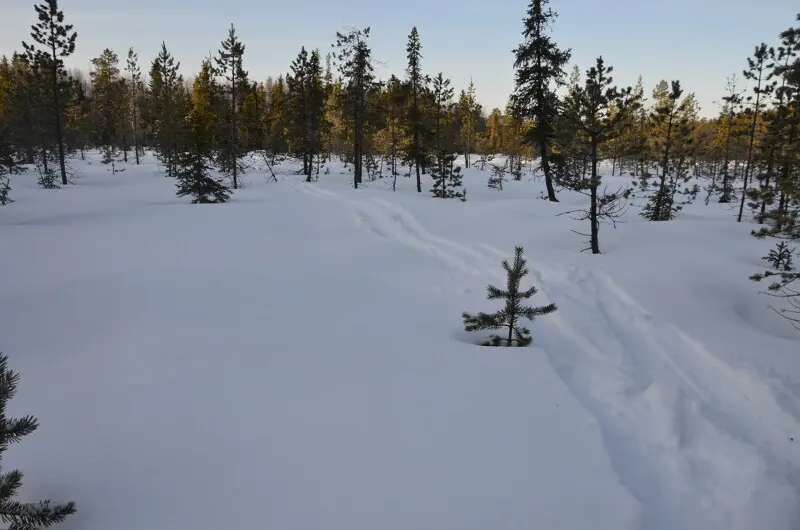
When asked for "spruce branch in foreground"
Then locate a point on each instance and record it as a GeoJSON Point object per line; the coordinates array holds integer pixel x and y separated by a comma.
{"type": "Point", "coordinates": [509, 317]}
{"type": "Point", "coordinates": [21, 515]}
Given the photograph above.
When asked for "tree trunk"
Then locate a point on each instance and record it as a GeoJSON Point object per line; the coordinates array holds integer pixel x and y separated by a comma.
{"type": "Point", "coordinates": [750, 150]}
{"type": "Point", "coordinates": [593, 217]}
{"type": "Point", "coordinates": [57, 110]}
{"type": "Point", "coordinates": [548, 179]}
{"type": "Point", "coordinates": [135, 131]}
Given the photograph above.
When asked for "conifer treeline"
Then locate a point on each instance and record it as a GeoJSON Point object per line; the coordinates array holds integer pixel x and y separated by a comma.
{"type": "Point", "coordinates": [333, 105]}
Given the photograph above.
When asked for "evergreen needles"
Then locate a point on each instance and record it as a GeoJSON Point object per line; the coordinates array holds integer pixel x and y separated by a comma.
{"type": "Point", "coordinates": [21, 515]}
{"type": "Point", "coordinates": [509, 317]}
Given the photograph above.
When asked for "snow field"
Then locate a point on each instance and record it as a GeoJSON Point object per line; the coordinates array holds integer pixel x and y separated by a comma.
{"type": "Point", "coordinates": [295, 360]}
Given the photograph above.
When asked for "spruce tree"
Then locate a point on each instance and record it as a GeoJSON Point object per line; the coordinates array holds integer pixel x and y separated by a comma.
{"type": "Point", "coordinates": [305, 108]}
{"type": "Point", "coordinates": [511, 315]}
{"type": "Point", "coordinates": [135, 82]}
{"type": "Point", "coordinates": [446, 177]}
{"type": "Point", "coordinates": [194, 160]}
{"type": "Point", "coordinates": [165, 109]}
{"type": "Point", "coordinates": [354, 59]}
{"type": "Point", "coordinates": [56, 41]}
{"type": "Point", "coordinates": [229, 65]}
{"type": "Point", "coordinates": [539, 65]}
{"type": "Point", "coordinates": [21, 515]}
{"type": "Point", "coordinates": [417, 83]}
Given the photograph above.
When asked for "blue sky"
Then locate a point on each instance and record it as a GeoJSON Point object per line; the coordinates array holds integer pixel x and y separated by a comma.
{"type": "Point", "coordinates": [700, 42]}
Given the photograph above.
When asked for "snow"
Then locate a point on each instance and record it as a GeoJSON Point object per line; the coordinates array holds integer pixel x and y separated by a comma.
{"type": "Point", "coordinates": [295, 360]}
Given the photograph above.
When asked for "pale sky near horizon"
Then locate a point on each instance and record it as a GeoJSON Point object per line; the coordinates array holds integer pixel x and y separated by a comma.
{"type": "Point", "coordinates": [699, 42]}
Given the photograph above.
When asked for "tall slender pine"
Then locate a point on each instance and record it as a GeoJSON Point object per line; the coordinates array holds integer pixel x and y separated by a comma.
{"type": "Point", "coordinates": [56, 41]}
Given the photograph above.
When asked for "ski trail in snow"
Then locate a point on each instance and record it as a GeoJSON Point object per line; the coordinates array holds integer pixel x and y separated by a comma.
{"type": "Point", "coordinates": [717, 452]}
{"type": "Point", "coordinates": [391, 221]}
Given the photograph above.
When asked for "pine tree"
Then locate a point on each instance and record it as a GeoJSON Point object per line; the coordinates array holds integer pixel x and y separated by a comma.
{"type": "Point", "coordinates": [7, 167]}
{"type": "Point", "coordinates": [354, 59]}
{"type": "Point", "coordinates": [494, 131]}
{"type": "Point", "coordinates": [229, 65]}
{"type": "Point", "coordinates": [514, 311]}
{"type": "Point", "coordinates": [784, 219]}
{"type": "Point", "coordinates": [470, 114]}
{"type": "Point", "coordinates": [730, 110]}
{"type": "Point", "coordinates": [595, 111]}
{"type": "Point", "coordinates": [108, 100]}
{"type": "Point", "coordinates": [56, 41]}
{"type": "Point", "coordinates": [22, 108]}
{"type": "Point", "coordinates": [539, 65]}
{"type": "Point", "coordinates": [755, 72]}
{"type": "Point", "coordinates": [417, 83]}
{"type": "Point", "coordinates": [193, 161]}
{"type": "Point", "coordinates": [135, 83]}
{"type": "Point", "coordinates": [672, 124]}
{"type": "Point", "coordinates": [21, 515]}
{"type": "Point", "coordinates": [275, 135]}
{"type": "Point", "coordinates": [77, 128]}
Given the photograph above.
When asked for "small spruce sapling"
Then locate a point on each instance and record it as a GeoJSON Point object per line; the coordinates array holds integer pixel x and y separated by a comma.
{"type": "Point", "coordinates": [5, 191]}
{"type": "Point", "coordinates": [780, 257]}
{"type": "Point", "coordinates": [510, 316]}
{"type": "Point", "coordinates": [21, 515]}
{"type": "Point", "coordinates": [447, 179]}
{"type": "Point", "coordinates": [498, 176]}
{"type": "Point", "coordinates": [48, 179]}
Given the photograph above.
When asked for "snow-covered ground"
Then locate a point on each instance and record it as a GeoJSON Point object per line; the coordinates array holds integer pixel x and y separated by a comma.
{"type": "Point", "coordinates": [295, 360]}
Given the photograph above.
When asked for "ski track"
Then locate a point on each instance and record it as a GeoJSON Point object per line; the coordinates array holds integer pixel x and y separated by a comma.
{"type": "Point", "coordinates": [630, 369]}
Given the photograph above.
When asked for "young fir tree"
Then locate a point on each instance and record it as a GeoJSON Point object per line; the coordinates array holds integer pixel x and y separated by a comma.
{"type": "Point", "coordinates": [354, 59]}
{"type": "Point", "coordinates": [56, 41]}
{"type": "Point", "coordinates": [21, 515]}
{"type": "Point", "coordinates": [539, 65]}
{"type": "Point", "coordinates": [594, 112]}
{"type": "Point", "coordinates": [511, 315]}
{"type": "Point", "coordinates": [229, 65]}
{"type": "Point", "coordinates": [194, 160]}
{"type": "Point", "coordinates": [135, 83]}
{"type": "Point", "coordinates": [417, 84]}
{"type": "Point", "coordinates": [165, 107]}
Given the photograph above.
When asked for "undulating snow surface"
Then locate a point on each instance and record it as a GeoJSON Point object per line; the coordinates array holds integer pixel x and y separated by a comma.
{"type": "Point", "coordinates": [295, 360]}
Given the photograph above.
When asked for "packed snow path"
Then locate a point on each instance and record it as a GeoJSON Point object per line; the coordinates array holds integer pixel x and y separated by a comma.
{"type": "Point", "coordinates": [694, 439]}
{"type": "Point", "coordinates": [295, 360]}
